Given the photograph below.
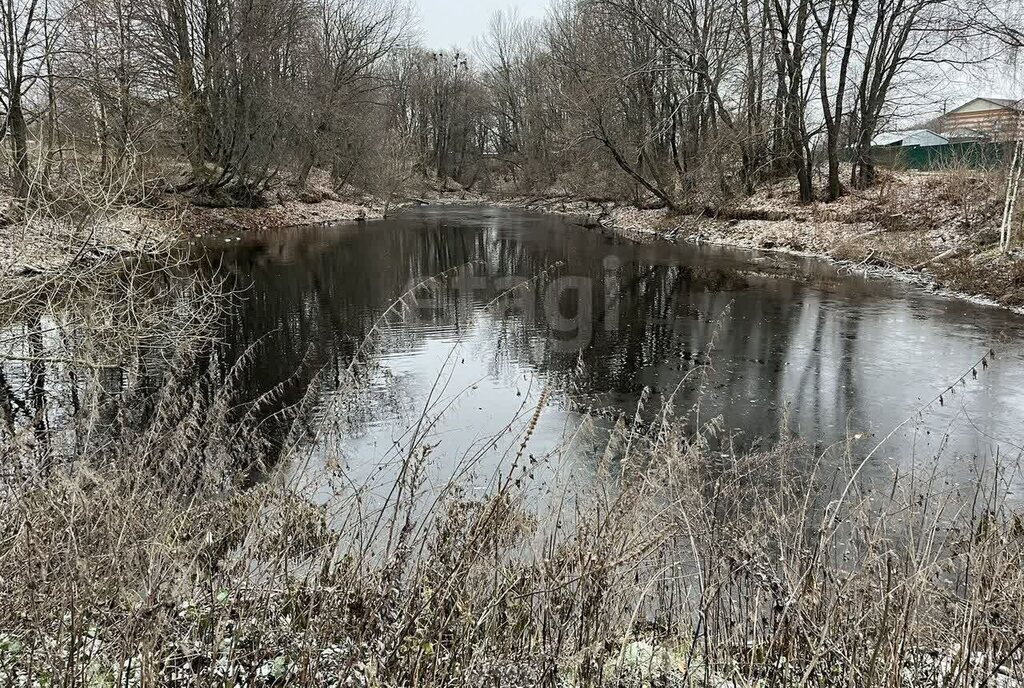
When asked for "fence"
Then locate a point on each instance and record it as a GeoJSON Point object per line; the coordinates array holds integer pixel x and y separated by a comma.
{"type": "Point", "coordinates": [974, 155]}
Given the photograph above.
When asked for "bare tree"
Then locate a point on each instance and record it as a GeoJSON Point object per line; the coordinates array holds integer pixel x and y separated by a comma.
{"type": "Point", "coordinates": [835, 33]}
{"type": "Point", "coordinates": [22, 25]}
{"type": "Point", "coordinates": [351, 39]}
{"type": "Point", "coordinates": [684, 103]}
{"type": "Point", "coordinates": [902, 35]}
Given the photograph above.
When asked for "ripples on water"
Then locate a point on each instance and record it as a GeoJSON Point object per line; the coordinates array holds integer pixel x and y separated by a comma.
{"type": "Point", "coordinates": [519, 311]}
{"type": "Point", "coordinates": [535, 304]}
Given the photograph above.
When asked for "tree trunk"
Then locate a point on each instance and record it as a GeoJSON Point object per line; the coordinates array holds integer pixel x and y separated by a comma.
{"type": "Point", "coordinates": [863, 175]}
{"type": "Point", "coordinates": [307, 166]}
{"type": "Point", "coordinates": [636, 176]}
{"type": "Point", "coordinates": [833, 114]}
{"type": "Point", "coordinates": [19, 153]}
{"type": "Point", "coordinates": [102, 133]}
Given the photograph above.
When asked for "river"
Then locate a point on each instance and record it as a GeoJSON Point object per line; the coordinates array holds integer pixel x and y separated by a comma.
{"type": "Point", "coordinates": [517, 312]}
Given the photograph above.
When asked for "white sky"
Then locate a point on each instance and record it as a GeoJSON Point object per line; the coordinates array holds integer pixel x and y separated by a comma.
{"type": "Point", "coordinates": [446, 23]}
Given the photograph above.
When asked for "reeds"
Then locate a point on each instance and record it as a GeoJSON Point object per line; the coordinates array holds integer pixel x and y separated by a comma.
{"type": "Point", "coordinates": [149, 556]}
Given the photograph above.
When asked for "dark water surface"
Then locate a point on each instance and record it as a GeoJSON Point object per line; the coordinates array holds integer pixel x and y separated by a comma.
{"type": "Point", "coordinates": [533, 308]}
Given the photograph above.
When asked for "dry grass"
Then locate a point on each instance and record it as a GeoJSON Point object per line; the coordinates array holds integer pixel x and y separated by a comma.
{"type": "Point", "coordinates": [998, 276]}
{"type": "Point", "coordinates": [82, 216]}
{"type": "Point", "coordinates": [938, 226]}
{"type": "Point", "coordinates": [143, 553]}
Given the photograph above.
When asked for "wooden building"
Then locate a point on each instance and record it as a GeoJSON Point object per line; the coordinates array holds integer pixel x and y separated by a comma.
{"type": "Point", "coordinates": [997, 119]}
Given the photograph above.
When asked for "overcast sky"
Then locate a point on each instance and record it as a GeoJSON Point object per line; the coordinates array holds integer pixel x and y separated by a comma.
{"type": "Point", "coordinates": [457, 22]}
{"type": "Point", "coordinates": [447, 23]}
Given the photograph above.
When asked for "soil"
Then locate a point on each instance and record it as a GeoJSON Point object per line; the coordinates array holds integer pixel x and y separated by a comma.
{"type": "Point", "coordinates": [44, 245]}
{"type": "Point", "coordinates": [937, 228]}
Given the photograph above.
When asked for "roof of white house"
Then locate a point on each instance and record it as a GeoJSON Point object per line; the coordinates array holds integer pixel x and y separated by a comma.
{"type": "Point", "coordinates": [965, 133]}
{"type": "Point", "coordinates": [912, 137]}
{"type": "Point", "coordinates": [983, 104]}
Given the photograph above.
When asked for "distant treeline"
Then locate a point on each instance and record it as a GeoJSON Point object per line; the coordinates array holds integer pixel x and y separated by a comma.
{"type": "Point", "coordinates": [683, 101]}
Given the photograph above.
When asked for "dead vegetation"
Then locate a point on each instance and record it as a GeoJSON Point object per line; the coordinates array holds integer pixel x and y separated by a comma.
{"type": "Point", "coordinates": [136, 548]}
{"type": "Point", "coordinates": [940, 227]}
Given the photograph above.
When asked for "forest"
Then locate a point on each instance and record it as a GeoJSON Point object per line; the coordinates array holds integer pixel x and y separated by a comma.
{"type": "Point", "coordinates": [682, 103]}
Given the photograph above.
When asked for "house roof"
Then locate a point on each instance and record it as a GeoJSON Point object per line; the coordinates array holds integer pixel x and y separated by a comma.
{"type": "Point", "coordinates": [1003, 103]}
{"type": "Point", "coordinates": [965, 133]}
{"type": "Point", "coordinates": [896, 137]}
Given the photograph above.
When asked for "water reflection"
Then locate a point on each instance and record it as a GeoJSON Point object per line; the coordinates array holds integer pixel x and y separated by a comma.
{"type": "Point", "coordinates": [89, 361]}
{"type": "Point", "coordinates": [533, 306]}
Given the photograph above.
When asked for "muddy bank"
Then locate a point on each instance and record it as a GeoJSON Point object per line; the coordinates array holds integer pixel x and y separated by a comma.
{"type": "Point", "coordinates": [197, 221]}
{"type": "Point", "coordinates": [50, 245]}
{"type": "Point", "coordinates": [936, 229]}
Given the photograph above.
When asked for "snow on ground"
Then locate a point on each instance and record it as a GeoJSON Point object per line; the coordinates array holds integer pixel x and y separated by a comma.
{"type": "Point", "coordinates": [44, 244]}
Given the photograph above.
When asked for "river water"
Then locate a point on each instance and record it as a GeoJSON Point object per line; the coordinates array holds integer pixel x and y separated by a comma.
{"type": "Point", "coordinates": [517, 312]}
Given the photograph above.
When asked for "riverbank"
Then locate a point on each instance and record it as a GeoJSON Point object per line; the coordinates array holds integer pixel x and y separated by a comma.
{"type": "Point", "coordinates": [936, 229]}
{"type": "Point", "coordinates": [49, 245]}
{"type": "Point", "coordinates": [44, 244]}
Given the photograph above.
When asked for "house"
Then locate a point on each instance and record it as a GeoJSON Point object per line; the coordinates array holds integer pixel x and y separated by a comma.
{"type": "Point", "coordinates": [966, 136]}
{"type": "Point", "coordinates": [913, 137]}
{"type": "Point", "coordinates": [997, 119]}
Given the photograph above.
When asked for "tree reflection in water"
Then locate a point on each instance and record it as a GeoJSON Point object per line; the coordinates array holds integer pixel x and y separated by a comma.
{"type": "Point", "coordinates": [788, 344]}
{"type": "Point", "coordinates": [529, 305]}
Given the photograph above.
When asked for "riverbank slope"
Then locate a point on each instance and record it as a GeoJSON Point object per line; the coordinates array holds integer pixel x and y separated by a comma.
{"type": "Point", "coordinates": [48, 242]}
{"type": "Point", "coordinates": [939, 228]}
